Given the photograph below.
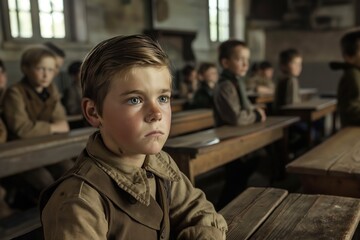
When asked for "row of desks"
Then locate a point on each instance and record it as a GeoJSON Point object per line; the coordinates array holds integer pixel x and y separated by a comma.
{"type": "Point", "coordinates": [268, 213]}
{"type": "Point", "coordinates": [305, 93]}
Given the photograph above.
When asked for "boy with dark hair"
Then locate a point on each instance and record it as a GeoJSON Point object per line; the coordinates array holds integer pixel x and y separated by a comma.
{"type": "Point", "coordinates": [287, 89]}
{"type": "Point", "coordinates": [231, 104]}
{"type": "Point", "coordinates": [123, 186]}
{"type": "Point", "coordinates": [262, 81]}
{"type": "Point", "coordinates": [208, 76]}
{"type": "Point", "coordinates": [348, 93]}
{"type": "Point", "coordinates": [72, 94]}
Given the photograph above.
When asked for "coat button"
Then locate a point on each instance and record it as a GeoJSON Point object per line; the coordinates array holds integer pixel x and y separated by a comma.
{"type": "Point", "coordinates": [149, 174]}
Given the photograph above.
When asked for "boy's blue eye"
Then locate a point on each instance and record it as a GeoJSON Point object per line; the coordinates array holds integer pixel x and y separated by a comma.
{"type": "Point", "coordinates": [134, 100]}
{"type": "Point", "coordinates": [164, 99]}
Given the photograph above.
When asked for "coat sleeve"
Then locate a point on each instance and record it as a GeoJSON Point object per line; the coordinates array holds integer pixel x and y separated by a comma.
{"type": "Point", "coordinates": [17, 119]}
{"type": "Point", "coordinates": [192, 216]}
{"type": "Point", "coordinates": [227, 103]}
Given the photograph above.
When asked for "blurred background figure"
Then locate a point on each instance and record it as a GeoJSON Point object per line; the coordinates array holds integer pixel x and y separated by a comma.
{"type": "Point", "coordinates": [72, 95]}
{"type": "Point", "coordinates": [189, 83]}
{"type": "Point", "coordinates": [261, 80]}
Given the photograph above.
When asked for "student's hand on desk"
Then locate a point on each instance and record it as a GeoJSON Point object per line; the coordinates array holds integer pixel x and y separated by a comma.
{"type": "Point", "coordinates": [262, 114]}
{"type": "Point", "coordinates": [59, 127]}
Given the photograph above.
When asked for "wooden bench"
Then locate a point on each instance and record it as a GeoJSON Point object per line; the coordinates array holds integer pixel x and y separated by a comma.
{"type": "Point", "coordinates": [268, 213]}
{"type": "Point", "coordinates": [205, 150]}
{"type": "Point", "coordinates": [310, 112]}
{"type": "Point", "coordinates": [332, 167]}
{"type": "Point", "coordinates": [22, 155]}
{"type": "Point", "coordinates": [190, 121]}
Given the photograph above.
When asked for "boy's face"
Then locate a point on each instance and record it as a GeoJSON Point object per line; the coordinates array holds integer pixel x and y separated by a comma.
{"type": "Point", "coordinates": [268, 73]}
{"type": "Point", "coordinates": [211, 76]}
{"type": "Point", "coordinates": [42, 74]}
{"type": "Point", "coordinates": [295, 66]}
{"type": "Point", "coordinates": [136, 113]}
{"type": "Point", "coordinates": [238, 63]}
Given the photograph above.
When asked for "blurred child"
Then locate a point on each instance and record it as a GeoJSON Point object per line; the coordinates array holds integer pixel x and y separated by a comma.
{"type": "Point", "coordinates": [123, 186]}
{"type": "Point", "coordinates": [32, 108]}
{"type": "Point", "coordinates": [287, 89]}
{"type": "Point", "coordinates": [348, 93]}
{"type": "Point", "coordinates": [189, 85]}
{"type": "Point", "coordinates": [208, 76]}
{"type": "Point", "coordinates": [72, 95]}
{"type": "Point", "coordinates": [231, 103]}
{"type": "Point", "coordinates": [262, 82]}
{"type": "Point", "coordinates": [3, 82]}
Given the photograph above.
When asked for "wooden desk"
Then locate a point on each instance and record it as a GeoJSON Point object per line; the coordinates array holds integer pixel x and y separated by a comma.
{"type": "Point", "coordinates": [332, 167]}
{"type": "Point", "coordinates": [203, 151]}
{"type": "Point", "coordinates": [306, 95]}
{"type": "Point", "coordinates": [268, 213]}
{"type": "Point", "coordinates": [22, 155]}
{"type": "Point", "coordinates": [190, 121]}
{"type": "Point", "coordinates": [177, 105]}
{"type": "Point", "coordinates": [311, 111]}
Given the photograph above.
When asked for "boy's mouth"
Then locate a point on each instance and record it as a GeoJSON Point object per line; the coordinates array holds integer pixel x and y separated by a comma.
{"type": "Point", "coordinates": [155, 133]}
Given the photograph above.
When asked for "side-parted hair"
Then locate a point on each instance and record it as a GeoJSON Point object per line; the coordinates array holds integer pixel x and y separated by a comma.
{"type": "Point", "coordinates": [350, 43]}
{"type": "Point", "coordinates": [205, 66]}
{"type": "Point", "coordinates": [58, 51]}
{"type": "Point", "coordinates": [226, 48]}
{"type": "Point", "coordinates": [286, 56]}
{"type": "Point", "coordinates": [117, 55]}
{"type": "Point", "coordinates": [33, 55]}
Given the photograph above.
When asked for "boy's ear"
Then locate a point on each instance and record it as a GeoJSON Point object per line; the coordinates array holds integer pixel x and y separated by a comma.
{"type": "Point", "coordinates": [224, 63]}
{"type": "Point", "coordinates": [90, 112]}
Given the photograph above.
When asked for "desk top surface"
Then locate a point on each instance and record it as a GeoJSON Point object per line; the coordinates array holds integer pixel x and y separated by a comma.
{"type": "Point", "coordinates": [337, 156]}
{"type": "Point", "coordinates": [311, 105]}
{"type": "Point", "coordinates": [189, 115]}
{"type": "Point", "coordinates": [213, 136]}
{"type": "Point", "coordinates": [269, 213]}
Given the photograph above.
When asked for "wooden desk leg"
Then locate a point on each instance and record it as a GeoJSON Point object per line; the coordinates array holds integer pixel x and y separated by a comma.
{"type": "Point", "coordinates": [282, 156]}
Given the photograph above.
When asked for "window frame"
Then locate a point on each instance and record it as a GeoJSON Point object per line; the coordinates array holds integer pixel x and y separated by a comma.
{"type": "Point", "coordinates": [218, 25]}
{"type": "Point", "coordinates": [71, 34]}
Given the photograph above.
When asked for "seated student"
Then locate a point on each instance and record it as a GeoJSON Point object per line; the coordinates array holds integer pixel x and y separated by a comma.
{"type": "Point", "coordinates": [123, 186]}
{"type": "Point", "coordinates": [3, 82]}
{"type": "Point", "coordinates": [5, 209]}
{"type": "Point", "coordinates": [348, 93]}
{"type": "Point", "coordinates": [287, 88]}
{"type": "Point", "coordinates": [262, 82]}
{"type": "Point", "coordinates": [189, 85]}
{"type": "Point", "coordinates": [232, 107]}
{"type": "Point", "coordinates": [231, 104]}
{"type": "Point", "coordinates": [32, 108]}
{"type": "Point", "coordinates": [72, 95]}
{"type": "Point", "coordinates": [208, 76]}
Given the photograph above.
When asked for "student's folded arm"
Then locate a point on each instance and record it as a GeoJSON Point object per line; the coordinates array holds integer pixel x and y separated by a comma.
{"type": "Point", "coordinates": [192, 216]}
{"type": "Point", "coordinates": [17, 119]}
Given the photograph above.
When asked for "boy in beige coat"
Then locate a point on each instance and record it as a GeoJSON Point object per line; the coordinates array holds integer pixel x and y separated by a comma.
{"type": "Point", "coordinates": [123, 186]}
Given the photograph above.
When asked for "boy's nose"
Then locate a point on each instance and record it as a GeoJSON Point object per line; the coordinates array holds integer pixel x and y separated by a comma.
{"type": "Point", "coordinates": [153, 115]}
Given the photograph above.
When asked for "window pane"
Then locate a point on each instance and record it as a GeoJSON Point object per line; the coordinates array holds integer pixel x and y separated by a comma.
{"type": "Point", "coordinates": [213, 4]}
{"type": "Point", "coordinates": [25, 25]}
{"type": "Point", "coordinates": [44, 6]}
{"type": "Point", "coordinates": [223, 18]}
{"type": "Point", "coordinates": [57, 5]}
{"type": "Point", "coordinates": [223, 4]}
{"type": "Point", "coordinates": [46, 25]}
{"type": "Point", "coordinates": [213, 32]}
{"type": "Point", "coordinates": [14, 24]}
{"type": "Point", "coordinates": [223, 33]}
{"type": "Point", "coordinates": [59, 25]}
{"type": "Point", "coordinates": [12, 4]}
{"type": "Point", "coordinates": [23, 5]}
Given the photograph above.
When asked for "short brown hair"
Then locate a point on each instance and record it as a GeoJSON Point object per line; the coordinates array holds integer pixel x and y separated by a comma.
{"type": "Point", "coordinates": [115, 55]}
{"type": "Point", "coordinates": [205, 66]}
{"type": "Point", "coordinates": [33, 55]}
{"type": "Point", "coordinates": [286, 56]}
{"type": "Point", "coordinates": [226, 48]}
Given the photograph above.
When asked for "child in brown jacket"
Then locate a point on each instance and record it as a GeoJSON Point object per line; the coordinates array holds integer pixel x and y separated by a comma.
{"type": "Point", "coordinates": [32, 108]}
{"type": "Point", "coordinates": [123, 186]}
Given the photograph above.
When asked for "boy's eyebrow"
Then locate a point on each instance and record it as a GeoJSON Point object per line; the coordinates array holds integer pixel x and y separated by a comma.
{"type": "Point", "coordinates": [164, 90]}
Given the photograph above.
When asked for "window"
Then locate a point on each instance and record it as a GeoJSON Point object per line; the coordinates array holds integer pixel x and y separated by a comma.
{"type": "Point", "coordinates": [219, 20]}
{"type": "Point", "coordinates": [33, 20]}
